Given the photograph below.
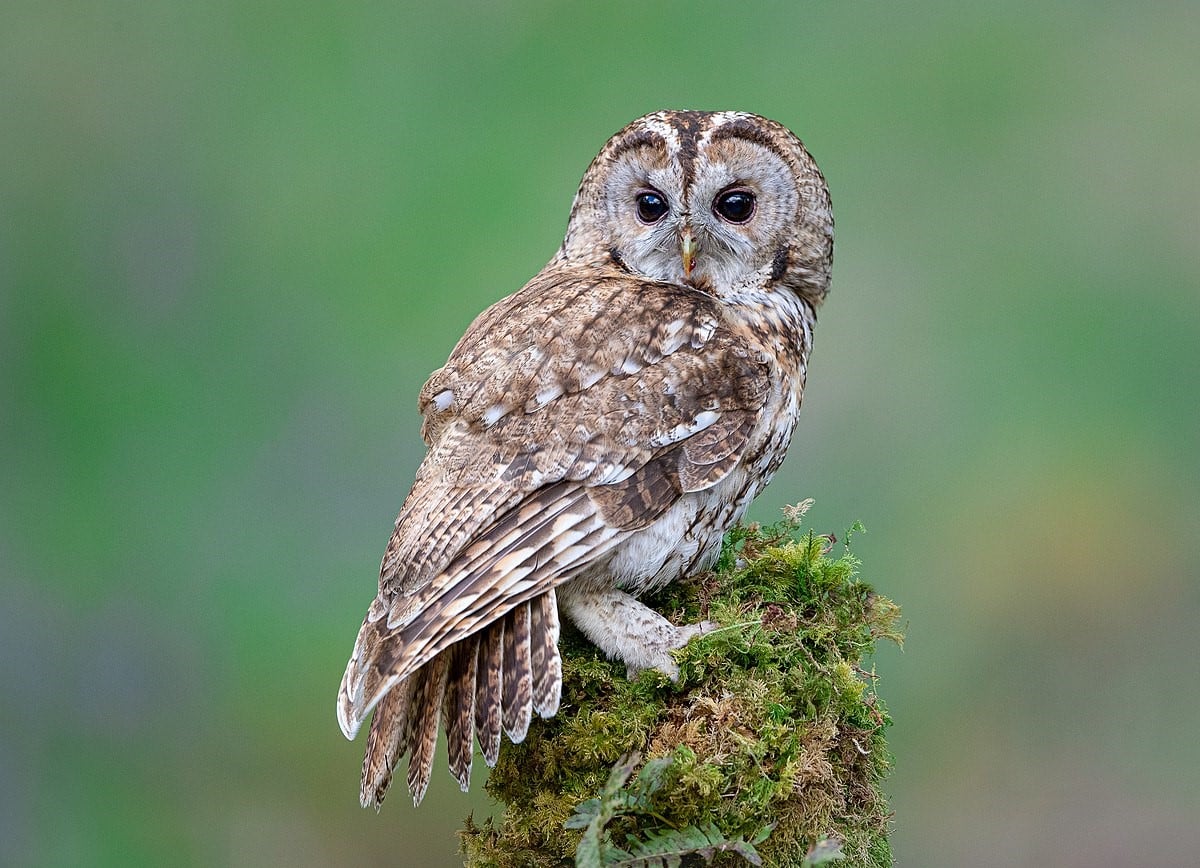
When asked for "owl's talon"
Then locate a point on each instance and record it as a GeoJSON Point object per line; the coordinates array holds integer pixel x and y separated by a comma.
{"type": "Point", "coordinates": [688, 632]}
{"type": "Point", "coordinates": [667, 665]}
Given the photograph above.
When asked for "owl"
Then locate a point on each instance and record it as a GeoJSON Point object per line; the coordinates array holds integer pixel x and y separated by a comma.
{"type": "Point", "coordinates": [592, 436]}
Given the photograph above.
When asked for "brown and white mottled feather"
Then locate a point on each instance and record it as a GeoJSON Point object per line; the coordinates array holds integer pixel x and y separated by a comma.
{"type": "Point", "coordinates": [544, 658]}
{"type": "Point", "coordinates": [459, 710]}
{"type": "Point", "coordinates": [425, 711]}
{"type": "Point", "coordinates": [517, 690]}
{"type": "Point", "coordinates": [598, 430]}
{"type": "Point", "coordinates": [385, 741]}
{"type": "Point", "coordinates": [488, 703]}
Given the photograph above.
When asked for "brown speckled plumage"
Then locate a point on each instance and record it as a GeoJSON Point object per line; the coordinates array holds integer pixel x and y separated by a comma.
{"type": "Point", "coordinates": [595, 434]}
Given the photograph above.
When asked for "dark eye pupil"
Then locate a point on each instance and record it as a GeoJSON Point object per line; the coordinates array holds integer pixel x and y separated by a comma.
{"type": "Point", "coordinates": [651, 207]}
{"type": "Point", "coordinates": [735, 206]}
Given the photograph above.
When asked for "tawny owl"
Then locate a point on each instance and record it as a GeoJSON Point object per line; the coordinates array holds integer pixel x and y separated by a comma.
{"type": "Point", "coordinates": [594, 435]}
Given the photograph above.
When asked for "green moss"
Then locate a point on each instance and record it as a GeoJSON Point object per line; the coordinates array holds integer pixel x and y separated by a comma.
{"type": "Point", "coordinates": [774, 720]}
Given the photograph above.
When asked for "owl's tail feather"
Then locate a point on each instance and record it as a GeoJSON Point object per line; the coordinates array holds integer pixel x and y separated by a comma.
{"type": "Point", "coordinates": [386, 741]}
{"type": "Point", "coordinates": [544, 657]}
{"type": "Point", "coordinates": [459, 709]}
{"type": "Point", "coordinates": [494, 679]}
{"type": "Point", "coordinates": [489, 676]}
{"type": "Point", "coordinates": [517, 683]}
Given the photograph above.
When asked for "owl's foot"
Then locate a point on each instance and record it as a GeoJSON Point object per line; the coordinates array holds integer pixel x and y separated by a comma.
{"type": "Point", "coordinates": [627, 630]}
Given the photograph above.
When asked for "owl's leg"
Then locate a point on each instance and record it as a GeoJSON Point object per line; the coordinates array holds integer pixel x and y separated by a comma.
{"type": "Point", "coordinates": [627, 630]}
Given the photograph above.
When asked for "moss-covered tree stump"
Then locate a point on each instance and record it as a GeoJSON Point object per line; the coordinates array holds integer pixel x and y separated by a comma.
{"type": "Point", "coordinates": [770, 746]}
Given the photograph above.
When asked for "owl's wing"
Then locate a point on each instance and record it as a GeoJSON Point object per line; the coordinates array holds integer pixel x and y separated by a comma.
{"type": "Point", "coordinates": [570, 415]}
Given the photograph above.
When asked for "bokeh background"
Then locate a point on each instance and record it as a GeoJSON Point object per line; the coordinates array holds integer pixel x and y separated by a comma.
{"type": "Point", "coordinates": [235, 238]}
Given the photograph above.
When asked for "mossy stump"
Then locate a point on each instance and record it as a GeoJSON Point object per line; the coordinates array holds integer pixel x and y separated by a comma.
{"type": "Point", "coordinates": [774, 728]}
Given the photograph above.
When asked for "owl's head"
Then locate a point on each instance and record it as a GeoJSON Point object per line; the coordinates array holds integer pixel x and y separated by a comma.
{"type": "Point", "coordinates": [724, 201]}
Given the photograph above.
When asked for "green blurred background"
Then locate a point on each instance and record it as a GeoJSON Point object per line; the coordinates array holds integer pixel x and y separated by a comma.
{"type": "Point", "coordinates": [236, 237]}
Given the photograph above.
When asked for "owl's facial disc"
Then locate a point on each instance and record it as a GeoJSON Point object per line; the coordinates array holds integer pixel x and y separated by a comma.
{"type": "Point", "coordinates": [721, 201]}
{"type": "Point", "coordinates": [712, 219]}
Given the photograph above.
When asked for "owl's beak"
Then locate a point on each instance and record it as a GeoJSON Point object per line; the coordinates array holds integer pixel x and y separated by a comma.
{"type": "Point", "coordinates": [688, 247]}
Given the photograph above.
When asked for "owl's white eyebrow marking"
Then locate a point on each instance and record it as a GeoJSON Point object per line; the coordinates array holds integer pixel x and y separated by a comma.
{"type": "Point", "coordinates": [642, 139]}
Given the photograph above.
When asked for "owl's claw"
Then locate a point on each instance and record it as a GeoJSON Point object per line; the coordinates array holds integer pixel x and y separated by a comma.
{"type": "Point", "coordinates": [667, 665]}
{"type": "Point", "coordinates": [688, 632]}
{"type": "Point", "coordinates": [628, 630]}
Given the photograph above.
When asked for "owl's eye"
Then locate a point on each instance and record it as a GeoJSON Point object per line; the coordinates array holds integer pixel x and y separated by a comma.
{"type": "Point", "coordinates": [651, 206]}
{"type": "Point", "coordinates": [736, 206]}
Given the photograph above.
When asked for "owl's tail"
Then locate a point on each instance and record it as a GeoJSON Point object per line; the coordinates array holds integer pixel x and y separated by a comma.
{"type": "Point", "coordinates": [489, 682]}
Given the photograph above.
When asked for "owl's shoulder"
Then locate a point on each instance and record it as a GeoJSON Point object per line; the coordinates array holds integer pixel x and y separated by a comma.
{"type": "Point", "coordinates": [596, 341]}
